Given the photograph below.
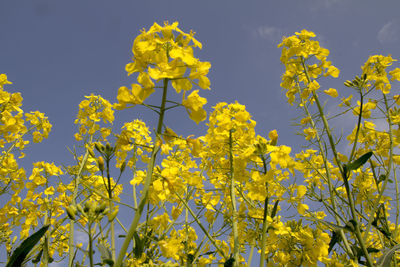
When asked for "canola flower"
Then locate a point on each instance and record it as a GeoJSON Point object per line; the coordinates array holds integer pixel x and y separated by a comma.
{"type": "Point", "coordinates": [221, 198]}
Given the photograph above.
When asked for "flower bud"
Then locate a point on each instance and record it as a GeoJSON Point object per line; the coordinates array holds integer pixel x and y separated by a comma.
{"type": "Point", "coordinates": [99, 147]}
{"type": "Point", "coordinates": [89, 205]}
{"type": "Point", "coordinates": [348, 83]}
{"type": "Point", "coordinates": [91, 153]}
{"type": "Point", "coordinates": [100, 208]}
{"type": "Point", "coordinates": [100, 162]}
{"type": "Point", "coordinates": [71, 211]}
{"type": "Point", "coordinates": [80, 209]}
{"type": "Point", "coordinates": [111, 216]}
{"type": "Point", "coordinates": [123, 166]}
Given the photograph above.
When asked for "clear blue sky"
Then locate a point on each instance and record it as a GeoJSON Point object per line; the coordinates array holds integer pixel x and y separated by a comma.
{"type": "Point", "coordinates": [56, 52]}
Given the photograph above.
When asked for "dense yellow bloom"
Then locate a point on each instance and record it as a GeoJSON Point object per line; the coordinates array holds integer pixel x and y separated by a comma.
{"type": "Point", "coordinates": [165, 52]}
{"type": "Point", "coordinates": [194, 104]}
{"type": "Point", "coordinates": [299, 76]}
{"type": "Point", "coordinates": [91, 111]}
{"type": "Point", "coordinates": [375, 69]}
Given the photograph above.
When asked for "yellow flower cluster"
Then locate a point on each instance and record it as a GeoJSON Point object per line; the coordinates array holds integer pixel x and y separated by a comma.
{"type": "Point", "coordinates": [92, 110]}
{"type": "Point", "coordinates": [301, 78]}
{"type": "Point", "coordinates": [215, 198]}
{"type": "Point", "coordinates": [166, 53]}
{"type": "Point", "coordinates": [26, 206]}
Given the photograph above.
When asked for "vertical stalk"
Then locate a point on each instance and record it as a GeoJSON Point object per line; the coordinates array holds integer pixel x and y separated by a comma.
{"type": "Point", "coordinates": [90, 252]}
{"type": "Point", "coordinates": [188, 264]}
{"type": "Point", "coordinates": [388, 171]}
{"type": "Point", "coordinates": [335, 155]}
{"type": "Point", "coordinates": [234, 208]}
{"type": "Point", "coordinates": [265, 221]}
{"type": "Point", "coordinates": [202, 227]}
{"type": "Point", "coordinates": [71, 225]}
{"type": "Point", "coordinates": [143, 199]}
{"type": "Point", "coordinates": [45, 254]}
{"type": "Point", "coordinates": [110, 206]}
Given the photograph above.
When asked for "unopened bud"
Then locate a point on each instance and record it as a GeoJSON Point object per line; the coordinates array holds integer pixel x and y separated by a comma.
{"type": "Point", "coordinates": [80, 209]}
{"type": "Point", "coordinates": [99, 147]}
{"type": "Point", "coordinates": [91, 153]}
{"type": "Point", "coordinates": [89, 205]}
{"type": "Point", "coordinates": [348, 83]}
{"type": "Point", "coordinates": [364, 77]}
{"type": "Point", "coordinates": [123, 166]}
{"type": "Point", "coordinates": [71, 211]}
{"type": "Point", "coordinates": [100, 162]}
{"type": "Point", "coordinates": [111, 216]}
{"type": "Point", "coordinates": [108, 148]}
{"type": "Point", "coordinates": [100, 208]}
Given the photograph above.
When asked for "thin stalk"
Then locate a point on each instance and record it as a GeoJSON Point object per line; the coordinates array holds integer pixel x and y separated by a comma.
{"type": "Point", "coordinates": [45, 254]}
{"type": "Point", "coordinates": [144, 197]}
{"type": "Point", "coordinates": [110, 206]}
{"type": "Point", "coordinates": [202, 227]}
{"type": "Point", "coordinates": [265, 221]}
{"type": "Point", "coordinates": [332, 145]}
{"type": "Point", "coordinates": [188, 264]}
{"type": "Point", "coordinates": [322, 115]}
{"type": "Point", "coordinates": [253, 244]}
{"type": "Point", "coordinates": [358, 127]}
{"type": "Point", "coordinates": [264, 233]}
{"type": "Point", "coordinates": [388, 171]}
{"type": "Point", "coordinates": [71, 225]}
{"type": "Point", "coordinates": [234, 208]}
{"type": "Point", "coordinates": [90, 252]}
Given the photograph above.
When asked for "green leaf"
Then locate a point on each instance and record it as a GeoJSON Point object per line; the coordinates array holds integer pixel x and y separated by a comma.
{"type": "Point", "coordinates": [359, 162]}
{"type": "Point", "coordinates": [139, 246]}
{"type": "Point", "coordinates": [386, 258]}
{"type": "Point", "coordinates": [106, 256]}
{"type": "Point", "coordinates": [20, 253]}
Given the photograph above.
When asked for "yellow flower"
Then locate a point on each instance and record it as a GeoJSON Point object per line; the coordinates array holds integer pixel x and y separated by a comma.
{"type": "Point", "coordinates": [346, 101]}
{"type": "Point", "coordinates": [332, 92]}
{"type": "Point", "coordinates": [332, 71]}
{"type": "Point", "coordinates": [310, 133]}
{"type": "Point", "coordinates": [395, 74]}
{"type": "Point", "coordinates": [301, 191]}
{"type": "Point", "coordinates": [194, 105]}
{"type": "Point", "coordinates": [273, 135]}
{"type": "Point", "coordinates": [302, 208]}
{"type": "Point", "coordinates": [49, 191]}
{"type": "Point", "coordinates": [3, 80]}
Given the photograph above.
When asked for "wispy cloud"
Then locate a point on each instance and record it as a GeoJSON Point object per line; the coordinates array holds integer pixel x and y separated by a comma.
{"type": "Point", "coordinates": [316, 5]}
{"type": "Point", "coordinates": [389, 33]}
{"type": "Point", "coordinates": [270, 33]}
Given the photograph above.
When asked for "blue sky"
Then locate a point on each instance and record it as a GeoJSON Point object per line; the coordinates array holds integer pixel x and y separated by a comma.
{"type": "Point", "coordinates": [56, 52]}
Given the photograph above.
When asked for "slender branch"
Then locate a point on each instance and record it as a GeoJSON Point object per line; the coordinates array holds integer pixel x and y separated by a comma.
{"type": "Point", "coordinates": [147, 183]}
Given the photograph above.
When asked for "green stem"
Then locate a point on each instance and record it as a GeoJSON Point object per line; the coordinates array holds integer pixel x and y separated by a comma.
{"type": "Point", "coordinates": [110, 206]}
{"type": "Point", "coordinates": [45, 254]}
{"type": "Point", "coordinates": [332, 145]}
{"type": "Point", "coordinates": [358, 127]}
{"type": "Point", "coordinates": [202, 227]}
{"type": "Point", "coordinates": [145, 191]}
{"type": "Point", "coordinates": [90, 252]}
{"type": "Point", "coordinates": [265, 221]}
{"type": "Point", "coordinates": [388, 171]}
{"type": "Point", "coordinates": [71, 225]}
{"type": "Point", "coordinates": [233, 200]}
